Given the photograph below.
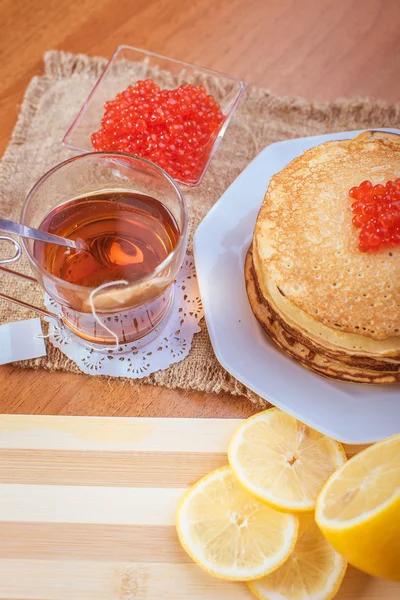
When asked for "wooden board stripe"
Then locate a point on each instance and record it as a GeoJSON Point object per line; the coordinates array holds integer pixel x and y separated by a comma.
{"type": "Point", "coordinates": [73, 580]}
{"type": "Point", "coordinates": [117, 469]}
{"type": "Point", "coordinates": [115, 434]}
{"type": "Point", "coordinates": [85, 504]}
{"type": "Point", "coordinates": [65, 541]}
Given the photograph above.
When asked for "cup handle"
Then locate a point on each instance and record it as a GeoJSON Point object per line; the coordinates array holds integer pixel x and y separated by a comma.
{"type": "Point", "coordinates": [17, 247]}
{"type": "Point", "coordinates": [17, 256]}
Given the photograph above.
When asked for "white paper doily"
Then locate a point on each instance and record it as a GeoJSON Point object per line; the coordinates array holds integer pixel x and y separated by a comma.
{"type": "Point", "coordinates": [171, 346]}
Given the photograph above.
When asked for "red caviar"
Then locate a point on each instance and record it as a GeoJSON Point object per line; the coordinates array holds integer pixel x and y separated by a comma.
{"type": "Point", "coordinates": [173, 128]}
{"type": "Point", "coordinates": [376, 212]}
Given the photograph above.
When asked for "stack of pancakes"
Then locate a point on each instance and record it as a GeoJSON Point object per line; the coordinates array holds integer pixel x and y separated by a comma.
{"type": "Point", "coordinates": [328, 305]}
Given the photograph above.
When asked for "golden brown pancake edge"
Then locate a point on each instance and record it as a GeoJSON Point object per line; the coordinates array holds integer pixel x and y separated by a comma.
{"type": "Point", "coordinates": [336, 364]}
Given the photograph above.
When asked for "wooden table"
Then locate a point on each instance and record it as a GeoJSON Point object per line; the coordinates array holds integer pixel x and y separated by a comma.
{"type": "Point", "coordinates": [319, 49]}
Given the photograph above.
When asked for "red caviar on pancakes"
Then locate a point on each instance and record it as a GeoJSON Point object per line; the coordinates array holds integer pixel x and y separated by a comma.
{"type": "Point", "coordinates": [173, 128]}
{"type": "Point", "coordinates": [376, 212]}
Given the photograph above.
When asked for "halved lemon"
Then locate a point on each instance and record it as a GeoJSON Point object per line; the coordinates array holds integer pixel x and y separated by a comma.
{"type": "Point", "coordinates": [283, 462]}
{"type": "Point", "coordinates": [359, 510]}
{"type": "Point", "coordinates": [229, 533]}
{"type": "Point", "coordinates": [314, 570]}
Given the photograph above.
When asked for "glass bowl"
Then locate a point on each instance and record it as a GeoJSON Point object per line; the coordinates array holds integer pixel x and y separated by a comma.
{"type": "Point", "coordinates": [129, 65]}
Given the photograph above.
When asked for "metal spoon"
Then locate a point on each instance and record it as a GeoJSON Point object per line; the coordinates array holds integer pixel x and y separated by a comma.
{"type": "Point", "coordinates": [36, 234]}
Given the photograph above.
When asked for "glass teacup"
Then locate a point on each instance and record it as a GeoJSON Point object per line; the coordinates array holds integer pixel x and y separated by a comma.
{"type": "Point", "coordinates": [105, 313]}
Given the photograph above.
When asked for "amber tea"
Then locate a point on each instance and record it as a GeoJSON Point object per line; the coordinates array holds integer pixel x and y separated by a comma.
{"type": "Point", "coordinates": [127, 235]}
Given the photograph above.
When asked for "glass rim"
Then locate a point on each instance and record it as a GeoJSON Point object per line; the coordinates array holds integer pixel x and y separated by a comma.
{"type": "Point", "coordinates": [88, 155]}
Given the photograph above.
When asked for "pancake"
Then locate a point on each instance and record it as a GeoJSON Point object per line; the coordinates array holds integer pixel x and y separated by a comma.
{"type": "Point", "coordinates": [341, 306]}
{"type": "Point", "coordinates": [377, 135]}
{"type": "Point", "coordinates": [337, 364]}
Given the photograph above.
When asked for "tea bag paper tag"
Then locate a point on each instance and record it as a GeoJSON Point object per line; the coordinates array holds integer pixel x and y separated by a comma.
{"type": "Point", "coordinates": [21, 340]}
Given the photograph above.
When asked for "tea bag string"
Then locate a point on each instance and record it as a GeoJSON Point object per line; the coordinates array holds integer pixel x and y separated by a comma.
{"type": "Point", "coordinates": [103, 286]}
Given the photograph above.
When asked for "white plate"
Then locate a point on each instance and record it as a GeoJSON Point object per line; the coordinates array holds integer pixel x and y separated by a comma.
{"type": "Point", "coordinates": [349, 412]}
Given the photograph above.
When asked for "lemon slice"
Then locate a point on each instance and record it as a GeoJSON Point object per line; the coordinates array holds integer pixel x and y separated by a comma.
{"type": "Point", "coordinates": [283, 462]}
{"type": "Point", "coordinates": [314, 570]}
{"type": "Point", "coordinates": [359, 510]}
{"type": "Point", "coordinates": [229, 533]}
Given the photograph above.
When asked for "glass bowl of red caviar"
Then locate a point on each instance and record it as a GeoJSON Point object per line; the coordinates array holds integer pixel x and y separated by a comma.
{"type": "Point", "coordinates": [168, 111]}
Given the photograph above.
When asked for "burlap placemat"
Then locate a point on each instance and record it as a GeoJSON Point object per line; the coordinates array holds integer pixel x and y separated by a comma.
{"type": "Point", "coordinates": [50, 104]}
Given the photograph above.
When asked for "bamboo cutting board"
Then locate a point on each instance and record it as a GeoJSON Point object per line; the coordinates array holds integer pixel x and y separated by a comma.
{"type": "Point", "coordinates": [87, 510]}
